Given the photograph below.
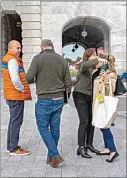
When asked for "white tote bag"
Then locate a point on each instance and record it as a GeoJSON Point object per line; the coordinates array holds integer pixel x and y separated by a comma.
{"type": "Point", "coordinates": [103, 112]}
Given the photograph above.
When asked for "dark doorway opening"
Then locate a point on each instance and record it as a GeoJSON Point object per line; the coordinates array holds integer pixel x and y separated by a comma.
{"type": "Point", "coordinates": [88, 32]}
{"type": "Point", "coordinates": [11, 29]}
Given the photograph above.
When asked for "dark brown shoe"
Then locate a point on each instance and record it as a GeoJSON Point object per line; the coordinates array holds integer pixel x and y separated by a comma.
{"type": "Point", "coordinates": [56, 161]}
{"type": "Point", "coordinates": [48, 160]}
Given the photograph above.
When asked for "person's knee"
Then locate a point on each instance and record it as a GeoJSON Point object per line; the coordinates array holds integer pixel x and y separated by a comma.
{"type": "Point", "coordinates": [83, 122]}
{"type": "Point", "coordinates": [55, 128]}
{"type": "Point", "coordinates": [42, 129]}
{"type": "Point", "coordinates": [16, 123]}
{"type": "Point", "coordinates": [42, 126]}
{"type": "Point", "coordinates": [107, 133]}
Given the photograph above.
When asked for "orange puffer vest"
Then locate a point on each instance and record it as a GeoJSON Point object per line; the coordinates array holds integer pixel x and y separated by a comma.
{"type": "Point", "coordinates": [10, 93]}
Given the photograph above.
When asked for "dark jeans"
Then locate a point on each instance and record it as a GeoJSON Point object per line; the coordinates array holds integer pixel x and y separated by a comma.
{"type": "Point", "coordinates": [108, 139]}
{"type": "Point", "coordinates": [48, 112]}
{"type": "Point", "coordinates": [16, 118]}
{"type": "Point", "coordinates": [84, 108]}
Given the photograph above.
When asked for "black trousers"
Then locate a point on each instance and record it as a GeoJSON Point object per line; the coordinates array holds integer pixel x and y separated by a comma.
{"type": "Point", "coordinates": [83, 105]}
{"type": "Point", "coordinates": [16, 118]}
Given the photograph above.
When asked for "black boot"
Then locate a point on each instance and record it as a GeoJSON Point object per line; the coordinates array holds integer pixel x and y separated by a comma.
{"type": "Point", "coordinates": [92, 149]}
{"type": "Point", "coordinates": [83, 152]}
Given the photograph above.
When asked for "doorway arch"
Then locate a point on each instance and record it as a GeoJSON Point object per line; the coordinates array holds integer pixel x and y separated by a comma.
{"type": "Point", "coordinates": [98, 32]}
{"type": "Point", "coordinates": [11, 29]}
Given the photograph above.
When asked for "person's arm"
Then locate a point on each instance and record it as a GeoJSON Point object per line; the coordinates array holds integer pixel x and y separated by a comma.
{"type": "Point", "coordinates": [87, 64]}
{"type": "Point", "coordinates": [13, 69]}
{"type": "Point", "coordinates": [32, 71]}
{"type": "Point", "coordinates": [98, 66]}
{"type": "Point", "coordinates": [92, 62]}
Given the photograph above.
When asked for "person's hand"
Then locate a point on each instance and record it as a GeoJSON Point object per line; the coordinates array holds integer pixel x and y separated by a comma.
{"type": "Point", "coordinates": [98, 66]}
{"type": "Point", "coordinates": [76, 65]}
{"type": "Point", "coordinates": [103, 55]}
{"type": "Point", "coordinates": [104, 61]}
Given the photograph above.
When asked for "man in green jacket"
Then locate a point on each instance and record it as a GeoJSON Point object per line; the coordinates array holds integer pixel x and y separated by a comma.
{"type": "Point", "coordinates": [51, 73]}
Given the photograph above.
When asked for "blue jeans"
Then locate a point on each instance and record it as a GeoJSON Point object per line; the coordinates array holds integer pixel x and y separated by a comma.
{"type": "Point", "coordinates": [16, 109]}
{"type": "Point", "coordinates": [48, 112]}
{"type": "Point", "coordinates": [108, 139]}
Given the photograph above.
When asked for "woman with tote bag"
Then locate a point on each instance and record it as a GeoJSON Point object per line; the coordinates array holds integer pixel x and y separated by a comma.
{"type": "Point", "coordinates": [104, 88]}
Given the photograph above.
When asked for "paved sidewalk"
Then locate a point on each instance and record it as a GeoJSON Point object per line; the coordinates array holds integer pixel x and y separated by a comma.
{"type": "Point", "coordinates": [73, 166]}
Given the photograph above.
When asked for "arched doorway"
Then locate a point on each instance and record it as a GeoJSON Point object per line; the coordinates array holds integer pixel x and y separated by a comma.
{"type": "Point", "coordinates": [73, 51]}
{"type": "Point", "coordinates": [11, 29]}
{"type": "Point", "coordinates": [88, 31]}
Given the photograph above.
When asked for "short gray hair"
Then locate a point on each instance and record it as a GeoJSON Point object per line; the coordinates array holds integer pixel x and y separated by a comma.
{"type": "Point", "coordinates": [46, 42]}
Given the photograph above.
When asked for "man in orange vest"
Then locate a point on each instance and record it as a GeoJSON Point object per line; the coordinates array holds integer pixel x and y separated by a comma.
{"type": "Point", "coordinates": [16, 91]}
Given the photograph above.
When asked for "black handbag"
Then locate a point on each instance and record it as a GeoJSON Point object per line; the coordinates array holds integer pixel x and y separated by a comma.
{"type": "Point", "coordinates": [120, 88]}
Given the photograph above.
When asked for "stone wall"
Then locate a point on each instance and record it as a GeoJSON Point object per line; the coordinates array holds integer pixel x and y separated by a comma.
{"type": "Point", "coordinates": [47, 19]}
{"type": "Point", "coordinates": [31, 29]}
{"type": "Point", "coordinates": [56, 14]}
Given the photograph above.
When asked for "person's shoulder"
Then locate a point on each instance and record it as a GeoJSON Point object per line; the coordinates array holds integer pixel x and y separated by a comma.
{"type": "Point", "coordinates": [36, 56]}
{"type": "Point", "coordinates": [110, 56]}
{"type": "Point", "coordinates": [42, 54]}
{"type": "Point", "coordinates": [61, 58]}
{"type": "Point", "coordinates": [58, 55]}
{"type": "Point", "coordinates": [112, 74]}
{"type": "Point", "coordinates": [12, 61]}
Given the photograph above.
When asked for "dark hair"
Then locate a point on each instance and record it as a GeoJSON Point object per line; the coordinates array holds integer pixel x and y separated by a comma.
{"type": "Point", "coordinates": [88, 53]}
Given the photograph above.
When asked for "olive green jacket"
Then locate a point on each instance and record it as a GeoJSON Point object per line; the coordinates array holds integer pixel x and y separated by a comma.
{"type": "Point", "coordinates": [84, 77]}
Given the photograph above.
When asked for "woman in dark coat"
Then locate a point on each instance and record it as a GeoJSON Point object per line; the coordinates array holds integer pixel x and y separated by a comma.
{"type": "Point", "coordinates": [82, 96]}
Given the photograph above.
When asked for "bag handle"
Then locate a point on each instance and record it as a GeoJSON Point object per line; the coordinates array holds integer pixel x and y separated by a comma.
{"type": "Point", "coordinates": [110, 88]}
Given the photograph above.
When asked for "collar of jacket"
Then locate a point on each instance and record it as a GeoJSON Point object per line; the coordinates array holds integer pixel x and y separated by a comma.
{"type": "Point", "coordinates": [48, 51]}
{"type": "Point", "coordinates": [14, 56]}
{"type": "Point", "coordinates": [108, 72]}
{"type": "Point", "coordinates": [95, 70]}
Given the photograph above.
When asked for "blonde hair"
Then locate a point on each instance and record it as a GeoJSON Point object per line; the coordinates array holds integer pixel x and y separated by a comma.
{"type": "Point", "coordinates": [111, 60]}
